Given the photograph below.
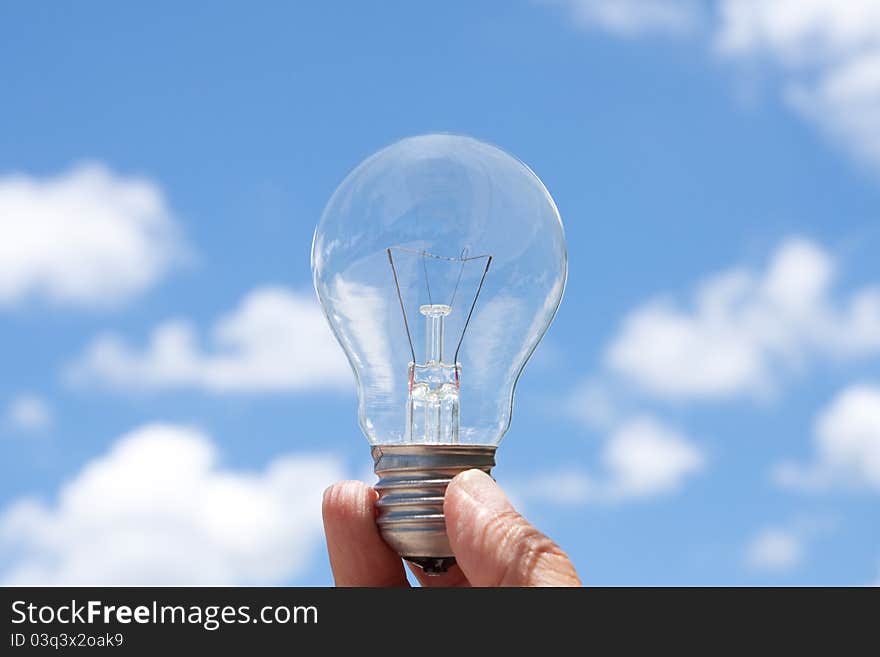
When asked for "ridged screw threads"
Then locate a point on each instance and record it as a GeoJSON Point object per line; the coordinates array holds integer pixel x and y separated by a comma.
{"type": "Point", "coordinates": [412, 485]}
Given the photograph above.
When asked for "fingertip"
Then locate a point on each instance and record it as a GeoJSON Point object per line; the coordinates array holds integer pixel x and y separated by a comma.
{"type": "Point", "coordinates": [471, 491]}
{"type": "Point", "coordinates": [495, 545]}
{"type": "Point", "coordinates": [358, 555]}
{"type": "Point", "coordinates": [348, 498]}
{"type": "Point", "coordinates": [472, 482]}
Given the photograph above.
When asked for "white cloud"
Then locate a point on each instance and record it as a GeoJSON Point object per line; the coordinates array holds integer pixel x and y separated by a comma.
{"type": "Point", "coordinates": [744, 326]}
{"type": "Point", "coordinates": [642, 458]}
{"type": "Point", "coordinates": [745, 331]}
{"type": "Point", "coordinates": [645, 457]}
{"type": "Point", "coordinates": [845, 103]}
{"type": "Point", "coordinates": [775, 550]}
{"type": "Point", "coordinates": [847, 445]}
{"type": "Point", "coordinates": [159, 509]}
{"type": "Point", "coordinates": [87, 237]}
{"type": "Point", "coordinates": [29, 413]}
{"type": "Point", "coordinates": [798, 31]}
{"type": "Point", "coordinates": [829, 55]}
{"type": "Point", "coordinates": [635, 17]}
{"type": "Point", "coordinates": [276, 340]}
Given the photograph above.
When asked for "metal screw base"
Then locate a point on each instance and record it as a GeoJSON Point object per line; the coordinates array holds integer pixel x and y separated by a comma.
{"type": "Point", "coordinates": [411, 487]}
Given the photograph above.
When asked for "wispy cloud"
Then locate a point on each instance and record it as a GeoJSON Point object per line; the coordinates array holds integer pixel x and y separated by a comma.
{"type": "Point", "coordinates": [593, 403]}
{"type": "Point", "coordinates": [847, 445]}
{"type": "Point", "coordinates": [157, 508]}
{"type": "Point", "coordinates": [642, 458]}
{"type": "Point", "coordinates": [825, 53]}
{"type": "Point", "coordinates": [28, 413]}
{"type": "Point", "coordinates": [635, 17]}
{"type": "Point", "coordinates": [87, 237]}
{"type": "Point", "coordinates": [276, 340]}
{"type": "Point", "coordinates": [783, 548]}
{"type": "Point", "coordinates": [775, 550]}
{"type": "Point", "coordinates": [828, 54]}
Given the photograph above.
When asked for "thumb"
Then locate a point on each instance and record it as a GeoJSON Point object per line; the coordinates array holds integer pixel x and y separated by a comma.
{"type": "Point", "coordinates": [495, 545]}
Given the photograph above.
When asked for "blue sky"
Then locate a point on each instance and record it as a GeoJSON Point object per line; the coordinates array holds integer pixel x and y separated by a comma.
{"type": "Point", "coordinates": [704, 410]}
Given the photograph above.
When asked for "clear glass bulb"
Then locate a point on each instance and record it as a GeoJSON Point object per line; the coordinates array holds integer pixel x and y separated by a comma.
{"type": "Point", "coordinates": [440, 262]}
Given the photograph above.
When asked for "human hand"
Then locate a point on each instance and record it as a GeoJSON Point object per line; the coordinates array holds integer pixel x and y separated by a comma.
{"type": "Point", "coordinates": [493, 544]}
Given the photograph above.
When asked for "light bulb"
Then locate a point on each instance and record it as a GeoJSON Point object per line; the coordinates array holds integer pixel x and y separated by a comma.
{"type": "Point", "coordinates": [440, 262]}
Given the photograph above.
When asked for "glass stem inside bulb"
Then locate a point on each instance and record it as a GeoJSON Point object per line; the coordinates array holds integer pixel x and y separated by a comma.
{"type": "Point", "coordinates": [434, 338]}
{"type": "Point", "coordinates": [432, 404]}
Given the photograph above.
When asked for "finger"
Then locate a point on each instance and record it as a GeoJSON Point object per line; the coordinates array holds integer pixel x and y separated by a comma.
{"type": "Point", "coordinates": [358, 555]}
{"type": "Point", "coordinates": [496, 546]}
{"type": "Point", "coordinates": [452, 577]}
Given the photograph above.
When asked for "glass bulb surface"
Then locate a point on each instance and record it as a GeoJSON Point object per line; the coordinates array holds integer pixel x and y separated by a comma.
{"type": "Point", "coordinates": [440, 262]}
